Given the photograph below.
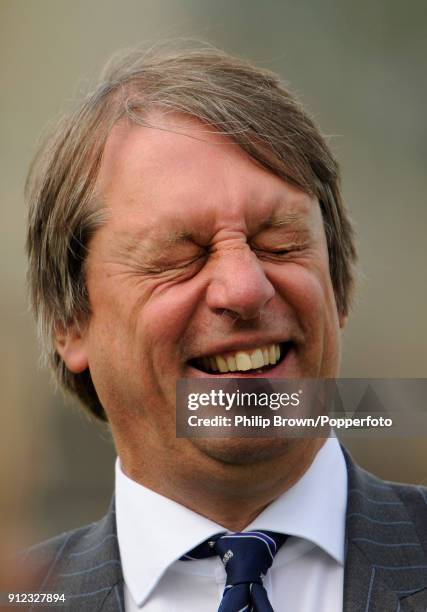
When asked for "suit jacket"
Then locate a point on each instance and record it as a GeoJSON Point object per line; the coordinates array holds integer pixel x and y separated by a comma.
{"type": "Point", "coordinates": [385, 567]}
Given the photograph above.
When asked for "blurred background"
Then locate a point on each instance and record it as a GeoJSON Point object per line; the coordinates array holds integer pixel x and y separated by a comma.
{"type": "Point", "coordinates": [358, 67]}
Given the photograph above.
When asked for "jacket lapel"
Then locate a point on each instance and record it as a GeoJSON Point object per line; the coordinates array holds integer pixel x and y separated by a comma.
{"type": "Point", "coordinates": [111, 598]}
{"type": "Point", "coordinates": [114, 601]}
{"type": "Point", "coordinates": [386, 564]}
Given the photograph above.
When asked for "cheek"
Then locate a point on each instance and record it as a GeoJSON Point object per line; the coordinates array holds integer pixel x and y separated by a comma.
{"type": "Point", "coordinates": [309, 292]}
{"type": "Point", "coordinates": [111, 330]}
{"type": "Point", "coordinates": [325, 322]}
{"type": "Point", "coordinates": [141, 323]}
{"type": "Point", "coordinates": [163, 321]}
{"type": "Point", "coordinates": [310, 295]}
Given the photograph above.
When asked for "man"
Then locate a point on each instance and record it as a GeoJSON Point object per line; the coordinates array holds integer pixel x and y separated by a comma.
{"type": "Point", "coordinates": [186, 221]}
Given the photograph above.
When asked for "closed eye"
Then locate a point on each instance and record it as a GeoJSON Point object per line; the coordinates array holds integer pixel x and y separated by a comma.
{"type": "Point", "coordinates": [170, 266]}
{"type": "Point", "coordinates": [272, 252]}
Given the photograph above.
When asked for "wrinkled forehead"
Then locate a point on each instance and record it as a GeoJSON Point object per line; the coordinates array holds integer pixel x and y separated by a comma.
{"type": "Point", "coordinates": [176, 171]}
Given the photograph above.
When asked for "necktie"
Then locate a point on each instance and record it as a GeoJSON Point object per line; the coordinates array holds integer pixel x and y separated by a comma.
{"type": "Point", "coordinates": [247, 557]}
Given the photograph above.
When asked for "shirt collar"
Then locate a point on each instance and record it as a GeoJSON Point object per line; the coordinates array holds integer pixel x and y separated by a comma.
{"type": "Point", "coordinates": [314, 508]}
{"type": "Point", "coordinates": [154, 531]}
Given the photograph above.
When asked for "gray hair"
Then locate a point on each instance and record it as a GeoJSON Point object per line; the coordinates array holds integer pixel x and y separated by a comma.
{"type": "Point", "coordinates": [248, 104]}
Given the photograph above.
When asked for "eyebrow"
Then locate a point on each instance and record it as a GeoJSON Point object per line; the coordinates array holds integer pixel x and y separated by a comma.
{"type": "Point", "coordinates": [128, 243]}
{"type": "Point", "coordinates": [275, 221]}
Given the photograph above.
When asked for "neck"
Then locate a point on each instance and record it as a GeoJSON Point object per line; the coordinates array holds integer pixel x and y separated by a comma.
{"type": "Point", "coordinates": [229, 492]}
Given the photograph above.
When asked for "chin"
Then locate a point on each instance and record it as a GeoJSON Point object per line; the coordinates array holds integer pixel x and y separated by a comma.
{"type": "Point", "coordinates": [247, 451]}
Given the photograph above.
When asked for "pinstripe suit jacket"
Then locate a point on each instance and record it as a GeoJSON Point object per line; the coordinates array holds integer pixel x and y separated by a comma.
{"type": "Point", "coordinates": [385, 567]}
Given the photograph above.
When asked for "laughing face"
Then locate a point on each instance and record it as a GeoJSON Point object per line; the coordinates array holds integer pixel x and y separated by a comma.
{"type": "Point", "coordinates": [207, 265]}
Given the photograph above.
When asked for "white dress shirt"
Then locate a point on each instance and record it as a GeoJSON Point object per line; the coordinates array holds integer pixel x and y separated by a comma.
{"type": "Point", "coordinates": [307, 573]}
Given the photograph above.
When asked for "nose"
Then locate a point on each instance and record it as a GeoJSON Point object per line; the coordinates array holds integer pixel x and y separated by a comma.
{"type": "Point", "coordinates": [239, 284]}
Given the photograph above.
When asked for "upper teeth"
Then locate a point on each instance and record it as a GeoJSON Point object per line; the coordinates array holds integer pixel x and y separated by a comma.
{"type": "Point", "coordinates": [243, 361]}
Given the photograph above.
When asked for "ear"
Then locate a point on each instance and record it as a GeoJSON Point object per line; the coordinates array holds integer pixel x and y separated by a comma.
{"type": "Point", "coordinates": [71, 345]}
{"type": "Point", "coordinates": [342, 318]}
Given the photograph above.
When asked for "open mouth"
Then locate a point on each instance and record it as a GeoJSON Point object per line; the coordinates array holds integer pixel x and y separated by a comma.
{"type": "Point", "coordinates": [257, 360]}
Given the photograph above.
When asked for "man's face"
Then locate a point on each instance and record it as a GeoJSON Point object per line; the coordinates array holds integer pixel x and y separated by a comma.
{"type": "Point", "coordinates": [206, 259]}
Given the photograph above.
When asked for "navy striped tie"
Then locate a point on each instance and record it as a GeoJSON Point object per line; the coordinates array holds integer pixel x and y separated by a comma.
{"type": "Point", "coordinates": [247, 557]}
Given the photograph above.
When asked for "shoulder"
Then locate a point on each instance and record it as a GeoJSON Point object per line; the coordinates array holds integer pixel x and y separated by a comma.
{"type": "Point", "coordinates": [71, 554]}
{"type": "Point", "coordinates": [363, 481]}
{"type": "Point", "coordinates": [414, 498]}
{"type": "Point", "coordinates": [46, 559]}
{"type": "Point", "coordinates": [50, 552]}
{"type": "Point", "coordinates": [382, 501]}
